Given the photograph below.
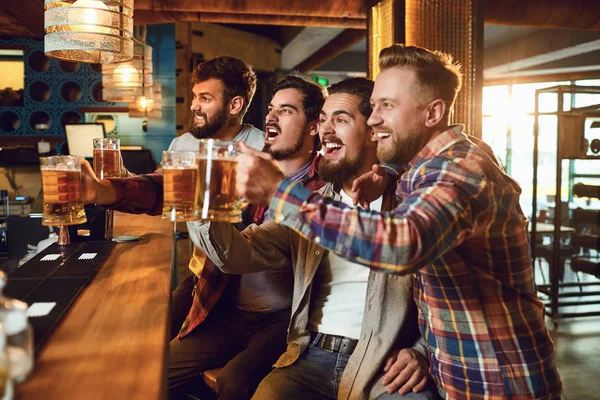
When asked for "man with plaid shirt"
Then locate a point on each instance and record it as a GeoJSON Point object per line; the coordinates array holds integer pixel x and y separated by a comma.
{"type": "Point", "coordinates": [459, 229]}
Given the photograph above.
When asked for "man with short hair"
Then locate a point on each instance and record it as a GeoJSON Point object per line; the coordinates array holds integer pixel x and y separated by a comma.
{"type": "Point", "coordinates": [459, 228]}
{"type": "Point", "coordinates": [246, 330]}
{"type": "Point", "coordinates": [348, 325]}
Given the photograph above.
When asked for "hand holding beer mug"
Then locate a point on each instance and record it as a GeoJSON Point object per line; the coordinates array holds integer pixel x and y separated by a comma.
{"type": "Point", "coordinates": [107, 164]}
{"type": "Point", "coordinates": [180, 169]}
{"type": "Point", "coordinates": [61, 187]}
{"type": "Point", "coordinates": [217, 198]}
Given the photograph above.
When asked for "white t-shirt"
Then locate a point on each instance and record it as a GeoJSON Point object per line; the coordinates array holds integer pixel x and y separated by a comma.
{"type": "Point", "coordinates": [339, 292]}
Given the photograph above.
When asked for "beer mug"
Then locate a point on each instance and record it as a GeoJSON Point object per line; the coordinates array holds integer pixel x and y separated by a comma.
{"type": "Point", "coordinates": [107, 158]}
{"type": "Point", "coordinates": [180, 168]}
{"type": "Point", "coordinates": [217, 198]}
{"type": "Point", "coordinates": [61, 187]}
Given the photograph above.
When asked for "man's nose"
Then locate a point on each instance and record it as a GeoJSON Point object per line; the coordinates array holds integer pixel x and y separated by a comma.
{"type": "Point", "coordinates": [374, 119]}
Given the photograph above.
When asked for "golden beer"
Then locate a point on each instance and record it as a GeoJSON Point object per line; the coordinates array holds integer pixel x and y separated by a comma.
{"type": "Point", "coordinates": [179, 189]}
{"type": "Point", "coordinates": [180, 168]}
{"type": "Point", "coordinates": [107, 163]}
{"type": "Point", "coordinates": [107, 157]}
{"type": "Point", "coordinates": [220, 201]}
{"type": "Point", "coordinates": [61, 188]}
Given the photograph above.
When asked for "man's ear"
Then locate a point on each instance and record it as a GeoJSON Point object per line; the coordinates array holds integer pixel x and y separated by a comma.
{"type": "Point", "coordinates": [435, 113]}
{"type": "Point", "coordinates": [235, 105]}
{"type": "Point", "coordinates": [313, 127]}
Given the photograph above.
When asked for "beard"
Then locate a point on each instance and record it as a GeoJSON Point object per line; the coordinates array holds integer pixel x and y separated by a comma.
{"type": "Point", "coordinates": [284, 152]}
{"type": "Point", "coordinates": [402, 151]}
{"type": "Point", "coordinates": [338, 172]}
{"type": "Point", "coordinates": [211, 126]}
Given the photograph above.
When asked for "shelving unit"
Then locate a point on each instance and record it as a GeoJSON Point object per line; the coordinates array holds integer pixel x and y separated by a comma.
{"type": "Point", "coordinates": [571, 144]}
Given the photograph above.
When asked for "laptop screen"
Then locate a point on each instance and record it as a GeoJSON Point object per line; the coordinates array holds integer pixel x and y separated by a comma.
{"type": "Point", "coordinates": [80, 138]}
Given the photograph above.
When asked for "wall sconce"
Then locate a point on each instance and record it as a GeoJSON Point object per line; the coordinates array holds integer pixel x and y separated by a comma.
{"type": "Point", "coordinates": [148, 107]}
{"type": "Point", "coordinates": [90, 31]}
{"type": "Point", "coordinates": [125, 82]}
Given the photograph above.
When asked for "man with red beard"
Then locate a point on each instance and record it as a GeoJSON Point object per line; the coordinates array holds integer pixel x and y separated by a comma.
{"type": "Point", "coordinates": [353, 334]}
{"type": "Point", "coordinates": [459, 229]}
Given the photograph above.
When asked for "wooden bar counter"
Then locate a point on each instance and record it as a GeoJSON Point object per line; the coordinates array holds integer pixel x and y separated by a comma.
{"type": "Point", "coordinates": [113, 342]}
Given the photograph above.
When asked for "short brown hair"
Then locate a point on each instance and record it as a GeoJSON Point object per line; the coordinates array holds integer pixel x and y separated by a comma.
{"type": "Point", "coordinates": [359, 87]}
{"type": "Point", "coordinates": [237, 78]}
{"type": "Point", "coordinates": [435, 70]}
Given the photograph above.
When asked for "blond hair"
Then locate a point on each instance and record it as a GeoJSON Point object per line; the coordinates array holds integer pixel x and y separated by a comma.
{"type": "Point", "coordinates": [436, 72]}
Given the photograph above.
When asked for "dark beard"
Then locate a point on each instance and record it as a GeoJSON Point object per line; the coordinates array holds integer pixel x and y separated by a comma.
{"type": "Point", "coordinates": [212, 126]}
{"type": "Point", "coordinates": [339, 172]}
{"type": "Point", "coordinates": [286, 152]}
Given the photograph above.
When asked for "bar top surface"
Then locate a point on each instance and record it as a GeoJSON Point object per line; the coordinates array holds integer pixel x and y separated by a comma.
{"type": "Point", "coordinates": [113, 342]}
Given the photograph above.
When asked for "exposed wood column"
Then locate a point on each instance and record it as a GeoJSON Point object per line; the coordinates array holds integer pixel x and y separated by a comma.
{"type": "Point", "coordinates": [451, 26]}
{"type": "Point", "coordinates": [385, 26]}
{"type": "Point", "coordinates": [454, 27]}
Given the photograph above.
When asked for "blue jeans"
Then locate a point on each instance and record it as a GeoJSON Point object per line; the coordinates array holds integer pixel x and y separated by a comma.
{"type": "Point", "coordinates": [429, 393]}
{"type": "Point", "coordinates": [316, 375]}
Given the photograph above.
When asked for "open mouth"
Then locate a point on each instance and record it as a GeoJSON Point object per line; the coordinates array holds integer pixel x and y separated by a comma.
{"type": "Point", "coordinates": [331, 148]}
{"type": "Point", "coordinates": [383, 136]}
{"type": "Point", "coordinates": [272, 133]}
{"type": "Point", "coordinates": [199, 119]}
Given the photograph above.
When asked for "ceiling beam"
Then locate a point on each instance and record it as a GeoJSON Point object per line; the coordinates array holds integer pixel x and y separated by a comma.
{"type": "Point", "coordinates": [305, 43]}
{"type": "Point", "coordinates": [562, 14]}
{"type": "Point", "coordinates": [332, 49]}
{"type": "Point", "coordinates": [19, 21]}
{"type": "Point", "coordinates": [539, 48]}
{"type": "Point", "coordinates": [306, 8]}
{"type": "Point", "coordinates": [146, 17]}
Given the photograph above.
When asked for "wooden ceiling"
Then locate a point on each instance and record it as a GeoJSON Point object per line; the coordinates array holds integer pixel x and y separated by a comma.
{"type": "Point", "coordinates": [25, 18]}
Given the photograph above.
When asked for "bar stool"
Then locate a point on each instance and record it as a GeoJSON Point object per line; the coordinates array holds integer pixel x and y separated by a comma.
{"type": "Point", "coordinates": [211, 376]}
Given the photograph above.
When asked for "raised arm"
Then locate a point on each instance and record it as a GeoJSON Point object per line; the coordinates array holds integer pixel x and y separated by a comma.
{"type": "Point", "coordinates": [139, 194]}
{"type": "Point", "coordinates": [256, 249]}
{"type": "Point", "coordinates": [445, 204]}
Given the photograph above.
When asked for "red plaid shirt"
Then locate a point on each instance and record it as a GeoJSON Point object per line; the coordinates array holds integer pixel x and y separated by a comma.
{"type": "Point", "coordinates": [212, 282]}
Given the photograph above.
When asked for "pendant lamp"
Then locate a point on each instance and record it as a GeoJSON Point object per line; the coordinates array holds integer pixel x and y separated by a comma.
{"type": "Point", "coordinates": [89, 31]}
{"type": "Point", "coordinates": [125, 82]}
{"type": "Point", "coordinates": [148, 107]}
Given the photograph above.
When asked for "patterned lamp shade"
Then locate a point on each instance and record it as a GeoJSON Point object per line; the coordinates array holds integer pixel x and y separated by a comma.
{"type": "Point", "coordinates": [148, 107]}
{"type": "Point", "coordinates": [125, 82]}
{"type": "Point", "coordinates": [89, 31]}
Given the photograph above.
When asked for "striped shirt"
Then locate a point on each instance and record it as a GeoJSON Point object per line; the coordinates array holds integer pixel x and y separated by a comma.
{"type": "Point", "coordinates": [462, 233]}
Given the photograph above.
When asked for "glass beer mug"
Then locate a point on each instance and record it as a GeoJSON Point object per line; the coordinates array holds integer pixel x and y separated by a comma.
{"type": "Point", "coordinates": [180, 169]}
{"type": "Point", "coordinates": [216, 197]}
{"type": "Point", "coordinates": [61, 187]}
{"type": "Point", "coordinates": [107, 158]}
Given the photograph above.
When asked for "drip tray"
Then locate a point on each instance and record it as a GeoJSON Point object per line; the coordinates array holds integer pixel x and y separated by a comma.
{"type": "Point", "coordinates": [56, 275]}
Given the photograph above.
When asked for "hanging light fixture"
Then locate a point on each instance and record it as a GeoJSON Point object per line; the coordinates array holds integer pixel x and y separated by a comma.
{"type": "Point", "coordinates": [148, 107]}
{"type": "Point", "coordinates": [125, 82]}
{"type": "Point", "coordinates": [90, 31]}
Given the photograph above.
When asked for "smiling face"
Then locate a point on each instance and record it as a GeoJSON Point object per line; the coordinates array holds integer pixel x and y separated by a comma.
{"type": "Point", "coordinates": [286, 125]}
{"type": "Point", "coordinates": [209, 109]}
{"type": "Point", "coordinates": [346, 138]}
{"type": "Point", "coordinates": [399, 115]}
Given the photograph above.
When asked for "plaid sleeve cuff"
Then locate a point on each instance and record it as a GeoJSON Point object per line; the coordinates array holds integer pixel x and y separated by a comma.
{"type": "Point", "coordinates": [285, 205]}
{"type": "Point", "coordinates": [392, 169]}
{"type": "Point", "coordinates": [140, 194]}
